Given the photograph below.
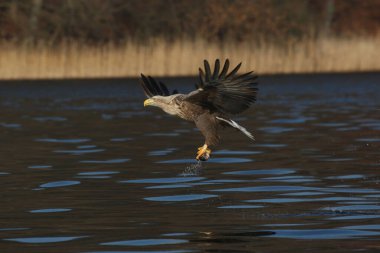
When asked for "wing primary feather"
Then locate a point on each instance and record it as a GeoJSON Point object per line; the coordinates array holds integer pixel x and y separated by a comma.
{"type": "Point", "coordinates": [247, 77]}
{"type": "Point", "coordinates": [216, 69]}
{"type": "Point", "coordinates": [147, 85]}
{"type": "Point", "coordinates": [201, 78]}
{"type": "Point", "coordinates": [146, 90]}
{"type": "Point", "coordinates": [207, 70]}
{"type": "Point", "coordinates": [164, 89]}
{"type": "Point", "coordinates": [225, 69]}
{"type": "Point", "coordinates": [150, 85]}
{"type": "Point", "coordinates": [244, 75]}
{"type": "Point", "coordinates": [233, 72]}
{"type": "Point", "coordinates": [155, 85]}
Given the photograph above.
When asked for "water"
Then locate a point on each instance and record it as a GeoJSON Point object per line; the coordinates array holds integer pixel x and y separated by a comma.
{"type": "Point", "coordinates": [85, 168]}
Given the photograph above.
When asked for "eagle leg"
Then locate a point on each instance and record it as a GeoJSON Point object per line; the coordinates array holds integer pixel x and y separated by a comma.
{"type": "Point", "coordinates": [203, 153]}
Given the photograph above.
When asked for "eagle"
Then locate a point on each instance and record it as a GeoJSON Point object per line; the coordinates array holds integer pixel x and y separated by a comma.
{"type": "Point", "coordinates": [219, 94]}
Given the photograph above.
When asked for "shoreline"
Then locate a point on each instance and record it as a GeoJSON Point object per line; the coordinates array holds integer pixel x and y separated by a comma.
{"type": "Point", "coordinates": [293, 76]}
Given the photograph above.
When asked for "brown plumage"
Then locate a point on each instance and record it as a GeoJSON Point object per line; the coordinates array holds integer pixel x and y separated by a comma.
{"type": "Point", "coordinates": [219, 95]}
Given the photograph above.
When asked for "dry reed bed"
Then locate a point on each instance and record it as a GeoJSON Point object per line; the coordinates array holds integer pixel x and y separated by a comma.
{"type": "Point", "coordinates": [183, 57]}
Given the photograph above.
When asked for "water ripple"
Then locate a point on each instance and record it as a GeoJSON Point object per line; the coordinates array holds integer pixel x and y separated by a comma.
{"type": "Point", "coordinates": [50, 239]}
{"type": "Point", "coordinates": [368, 139]}
{"type": "Point", "coordinates": [261, 172]}
{"type": "Point", "coordinates": [80, 140]}
{"type": "Point", "coordinates": [80, 151]}
{"type": "Point", "coordinates": [40, 167]}
{"type": "Point", "coordinates": [356, 217]}
{"type": "Point", "coordinates": [307, 193]}
{"type": "Point", "coordinates": [292, 120]}
{"type": "Point", "coordinates": [277, 129]}
{"type": "Point", "coordinates": [352, 208]}
{"type": "Point", "coordinates": [10, 125]}
{"type": "Point", "coordinates": [224, 160]}
{"type": "Point", "coordinates": [13, 229]}
{"type": "Point", "coordinates": [323, 234]}
{"type": "Point", "coordinates": [241, 206]}
{"type": "Point", "coordinates": [353, 176]}
{"type": "Point", "coordinates": [332, 124]}
{"type": "Point", "coordinates": [145, 242]}
{"type": "Point", "coordinates": [50, 118]}
{"type": "Point", "coordinates": [164, 180]}
{"type": "Point", "coordinates": [294, 200]}
{"type": "Point", "coordinates": [290, 179]}
{"type": "Point", "coordinates": [110, 161]}
{"type": "Point", "coordinates": [236, 152]}
{"type": "Point", "coordinates": [161, 152]}
{"type": "Point", "coordinates": [176, 234]}
{"type": "Point", "coordinates": [185, 197]}
{"type": "Point", "coordinates": [59, 184]}
{"type": "Point", "coordinates": [364, 227]}
{"type": "Point", "coordinates": [169, 186]}
{"type": "Point", "coordinates": [271, 145]}
{"type": "Point", "coordinates": [51, 210]}
{"type": "Point", "coordinates": [281, 200]}
{"type": "Point", "coordinates": [164, 134]}
{"type": "Point", "coordinates": [97, 173]}
{"type": "Point", "coordinates": [86, 146]}
{"type": "Point", "coordinates": [123, 139]}
{"type": "Point", "coordinates": [273, 188]}
{"type": "Point", "coordinates": [343, 189]}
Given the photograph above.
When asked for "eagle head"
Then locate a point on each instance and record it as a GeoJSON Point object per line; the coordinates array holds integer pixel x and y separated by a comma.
{"type": "Point", "coordinates": [163, 102]}
{"type": "Point", "coordinates": [158, 101]}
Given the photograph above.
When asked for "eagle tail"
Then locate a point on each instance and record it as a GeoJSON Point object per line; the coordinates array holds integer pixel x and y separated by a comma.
{"type": "Point", "coordinates": [237, 126]}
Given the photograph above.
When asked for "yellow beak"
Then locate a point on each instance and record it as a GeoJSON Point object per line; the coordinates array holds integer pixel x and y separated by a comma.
{"type": "Point", "coordinates": [148, 102]}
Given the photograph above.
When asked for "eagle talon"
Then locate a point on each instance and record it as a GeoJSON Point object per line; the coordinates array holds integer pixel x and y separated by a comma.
{"type": "Point", "coordinates": [203, 153]}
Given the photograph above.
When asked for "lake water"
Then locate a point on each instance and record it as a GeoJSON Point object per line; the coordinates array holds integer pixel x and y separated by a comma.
{"type": "Point", "coordinates": [85, 168]}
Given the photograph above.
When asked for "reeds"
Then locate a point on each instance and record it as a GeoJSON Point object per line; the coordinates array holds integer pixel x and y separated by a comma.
{"type": "Point", "coordinates": [183, 57]}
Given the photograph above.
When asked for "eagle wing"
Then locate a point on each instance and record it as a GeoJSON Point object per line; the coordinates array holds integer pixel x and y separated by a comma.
{"type": "Point", "coordinates": [153, 88]}
{"type": "Point", "coordinates": [225, 92]}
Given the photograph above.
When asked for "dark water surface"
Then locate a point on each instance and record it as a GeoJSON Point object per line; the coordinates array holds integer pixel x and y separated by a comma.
{"type": "Point", "coordinates": [85, 168]}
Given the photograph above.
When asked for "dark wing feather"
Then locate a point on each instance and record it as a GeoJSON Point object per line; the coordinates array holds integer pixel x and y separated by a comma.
{"type": "Point", "coordinates": [225, 69]}
{"type": "Point", "coordinates": [208, 71]}
{"type": "Point", "coordinates": [216, 69]}
{"type": "Point", "coordinates": [226, 92]}
{"type": "Point", "coordinates": [164, 89]}
{"type": "Point", "coordinates": [201, 79]}
{"type": "Point", "coordinates": [146, 86]}
{"type": "Point", "coordinates": [234, 71]}
{"type": "Point", "coordinates": [153, 88]}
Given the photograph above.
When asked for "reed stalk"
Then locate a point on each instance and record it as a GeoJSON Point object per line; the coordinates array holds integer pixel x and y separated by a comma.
{"type": "Point", "coordinates": [182, 57]}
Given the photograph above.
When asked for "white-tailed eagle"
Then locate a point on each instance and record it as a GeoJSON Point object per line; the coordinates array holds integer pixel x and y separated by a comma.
{"type": "Point", "coordinates": [219, 95]}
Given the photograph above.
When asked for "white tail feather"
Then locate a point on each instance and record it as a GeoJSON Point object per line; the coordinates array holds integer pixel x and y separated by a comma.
{"type": "Point", "coordinates": [237, 126]}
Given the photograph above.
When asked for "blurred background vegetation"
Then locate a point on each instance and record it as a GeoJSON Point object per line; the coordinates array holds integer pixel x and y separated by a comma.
{"type": "Point", "coordinates": [99, 21]}
{"type": "Point", "coordinates": [54, 29]}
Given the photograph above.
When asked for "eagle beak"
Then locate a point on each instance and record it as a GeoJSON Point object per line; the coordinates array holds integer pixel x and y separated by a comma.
{"type": "Point", "coordinates": [148, 102]}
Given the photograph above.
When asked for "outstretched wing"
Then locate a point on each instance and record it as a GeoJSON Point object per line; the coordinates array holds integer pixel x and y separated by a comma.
{"type": "Point", "coordinates": [153, 88]}
{"type": "Point", "coordinates": [226, 92]}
